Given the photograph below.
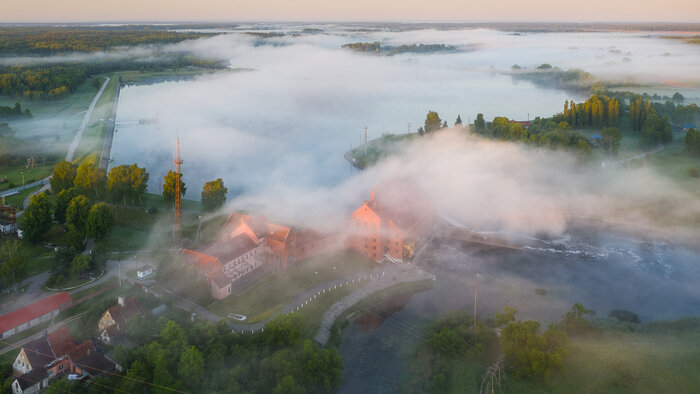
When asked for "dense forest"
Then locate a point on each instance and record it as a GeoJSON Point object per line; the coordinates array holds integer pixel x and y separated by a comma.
{"type": "Point", "coordinates": [49, 82]}
{"type": "Point", "coordinates": [49, 40]}
{"type": "Point", "coordinates": [34, 81]}
{"type": "Point", "coordinates": [376, 47]}
{"type": "Point", "coordinates": [546, 76]}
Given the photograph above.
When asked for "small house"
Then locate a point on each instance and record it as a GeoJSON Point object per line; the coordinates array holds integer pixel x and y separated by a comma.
{"type": "Point", "coordinates": [144, 272]}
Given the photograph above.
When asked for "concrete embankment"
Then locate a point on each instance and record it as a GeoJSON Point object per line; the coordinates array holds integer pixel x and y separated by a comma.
{"type": "Point", "coordinates": [107, 144]}
{"type": "Point", "coordinates": [398, 274]}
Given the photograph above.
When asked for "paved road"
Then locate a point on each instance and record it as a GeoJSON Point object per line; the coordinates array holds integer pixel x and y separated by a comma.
{"type": "Point", "coordinates": [35, 292]}
{"type": "Point", "coordinates": [107, 144]}
{"type": "Point", "coordinates": [402, 273]}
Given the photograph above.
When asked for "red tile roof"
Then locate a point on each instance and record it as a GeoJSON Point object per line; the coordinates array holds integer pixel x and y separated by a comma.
{"type": "Point", "coordinates": [31, 312]}
{"type": "Point", "coordinates": [122, 314]}
{"type": "Point", "coordinates": [201, 261]}
{"type": "Point", "coordinates": [61, 341]}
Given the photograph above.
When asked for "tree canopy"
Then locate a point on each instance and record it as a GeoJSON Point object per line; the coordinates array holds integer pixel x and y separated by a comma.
{"type": "Point", "coordinates": [99, 221]}
{"type": "Point", "coordinates": [214, 195]}
{"type": "Point", "coordinates": [63, 176]}
{"type": "Point", "coordinates": [77, 212]}
{"type": "Point", "coordinates": [36, 220]}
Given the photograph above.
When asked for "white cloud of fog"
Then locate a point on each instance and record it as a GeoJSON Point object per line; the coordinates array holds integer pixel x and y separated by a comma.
{"type": "Point", "coordinates": [492, 186]}
{"type": "Point", "coordinates": [277, 134]}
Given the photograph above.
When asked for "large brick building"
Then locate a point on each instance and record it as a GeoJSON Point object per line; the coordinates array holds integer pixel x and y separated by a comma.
{"type": "Point", "coordinates": [389, 225]}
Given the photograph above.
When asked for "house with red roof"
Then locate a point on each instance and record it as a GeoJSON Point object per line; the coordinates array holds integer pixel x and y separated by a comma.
{"type": "Point", "coordinates": [52, 356]}
{"type": "Point", "coordinates": [115, 319]}
{"type": "Point", "coordinates": [34, 314]}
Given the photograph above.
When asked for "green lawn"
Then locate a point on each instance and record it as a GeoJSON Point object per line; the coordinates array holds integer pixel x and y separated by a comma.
{"type": "Point", "coordinates": [278, 289]}
{"type": "Point", "coordinates": [14, 174]}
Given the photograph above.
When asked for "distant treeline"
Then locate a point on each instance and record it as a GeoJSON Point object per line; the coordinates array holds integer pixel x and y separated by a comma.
{"type": "Point", "coordinates": [14, 112]}
{"type": "Point", "coordinates": [547, 76]}
{"type": "Point", "coordinates": [376, 47]}
{"type": "Point", "coordinates": [46, 40]}
{"type": "Point", "coordinates": [48, 82]}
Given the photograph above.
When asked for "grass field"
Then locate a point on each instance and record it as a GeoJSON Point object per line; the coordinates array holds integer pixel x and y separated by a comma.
{"type": "Point", "coordinates": [14, 174]}
{"type": "Point", "coordinates": [277, 289]}
{"type": "Point", "coordinates": [607, 362]}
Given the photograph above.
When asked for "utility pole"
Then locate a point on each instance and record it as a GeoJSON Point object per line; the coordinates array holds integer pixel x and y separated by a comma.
{"type": "Point", "coordinates": [476, 286]}
{"type": "Point", "coordinates": [119, 263]}
{"type": "Point", "coordinates": [409, 127]}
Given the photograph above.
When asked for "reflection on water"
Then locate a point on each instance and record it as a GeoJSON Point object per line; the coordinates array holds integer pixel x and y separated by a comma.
{"type": "Point", "coordinates": [602, 270]}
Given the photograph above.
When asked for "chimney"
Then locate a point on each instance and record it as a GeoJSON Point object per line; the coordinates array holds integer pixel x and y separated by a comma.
{"type": "Point", "coordinates": [371, 195]}
{"type": "Point", "coordinates": [120, 301]}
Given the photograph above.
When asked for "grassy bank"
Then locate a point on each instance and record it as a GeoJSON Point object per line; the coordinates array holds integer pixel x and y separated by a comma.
{"type": "Point", "coordinates": [277, 289]}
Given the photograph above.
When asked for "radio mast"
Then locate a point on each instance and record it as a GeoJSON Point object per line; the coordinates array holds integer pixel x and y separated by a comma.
{"type": "Point", "coordinates": [178, 203]}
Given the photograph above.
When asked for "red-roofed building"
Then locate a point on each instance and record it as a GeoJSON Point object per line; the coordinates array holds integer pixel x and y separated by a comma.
{"type": "Point", "coordinates": [50, 357]}
{"type": "Point", "coordinates": [115, 319]}
{"type": "Point", "coordinates": [392, 223]}
{"type": "Point", "coordinates": [31, 315]}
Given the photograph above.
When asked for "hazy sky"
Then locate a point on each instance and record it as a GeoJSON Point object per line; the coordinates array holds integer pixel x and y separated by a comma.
{"type": "Point", "coordinates": [348, 10]}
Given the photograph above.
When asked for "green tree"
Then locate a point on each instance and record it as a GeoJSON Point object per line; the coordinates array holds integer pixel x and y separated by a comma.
{"type": "Point", "coordinates": [99, 221]}
{"type": "Point", "coordinates": [288, 386]}
{"type": "Point", "coordinates": [677, 97]}
{"type": "Point", "coordinates": [63, 176]}
{"type": "Point", "coordinates": [79, 264]}
{"type": "Point", "coordinates": [170, 181]}
{"type": "Point", "coordinates": [173, 338]}
{"type": "Point", "coordinates": [90, 180]}
{"type": "Point", "coordinates": [321, 370]}
{"type": "Point", "coordinates": [214, 195]}
{"type": "Point", "coordinates": [506, 317]}
{"type": "Point", "coordinates": [36, 220]}
{"type": "Point", "coordinates": [574, 321]}
{"type": "Point", "coordinates": [77, 212]}
{"type": "Point", "coordinates": [656, 130]}
{"type": "Point", "coordinates": [62, 201]}
{"type": "Point", "coordinates": [458, 122]}
{"type": "Point", "coordinates": [480, 124]}
{"type": "Point", "coordinates": [74, 240]}
{"type": "Point", "coordinates": [191, 365]}
{"type": "Point", "coordinates": [118, 183]}
{"type": "Point", "coordinates": [96, 83]}
{"type": "Point", "coordinates": [692, 141]}
{"type": "Point", "coordinates": [531, 354]}
{"type": "Point", "coordinates": [432, 122]}
{"type": "Point", "coordinates": [283, 330]}
{"type": "Point", "coordinates": [138, 181]}
{"type": "Point", "coordinates": [14, 262]}
{"type": "Point", "coordinates": [610, 140]}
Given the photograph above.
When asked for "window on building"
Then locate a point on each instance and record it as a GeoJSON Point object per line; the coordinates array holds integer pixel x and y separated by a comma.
{"type": "Point", "coordinates": [60, 367]}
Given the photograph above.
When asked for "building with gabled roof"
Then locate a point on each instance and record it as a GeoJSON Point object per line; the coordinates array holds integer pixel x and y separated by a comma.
{"type": "Point", "coordinates": [391, 222]}
{"type": "Point", "coordinates": [115, 319]}
{"type": "Point", "coordinates": [31, 315]}
{"type": "Point", "coordinates": [50, 357]}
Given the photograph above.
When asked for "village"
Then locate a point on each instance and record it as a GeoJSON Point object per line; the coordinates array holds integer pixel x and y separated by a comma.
{"type": "Point", "coordinates": [382, 235]}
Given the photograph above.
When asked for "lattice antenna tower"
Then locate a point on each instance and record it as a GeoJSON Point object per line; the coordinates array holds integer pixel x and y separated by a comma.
{"type": "Point", "coordinates": [178, 175]}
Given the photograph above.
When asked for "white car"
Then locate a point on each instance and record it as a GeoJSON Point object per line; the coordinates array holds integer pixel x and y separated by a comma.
{"type": "Point", "coordinates": [237, 316]}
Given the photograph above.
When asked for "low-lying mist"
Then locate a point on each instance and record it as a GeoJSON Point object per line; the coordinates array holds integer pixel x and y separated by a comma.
{"type": "Point", "coordinates": [493, 186]}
